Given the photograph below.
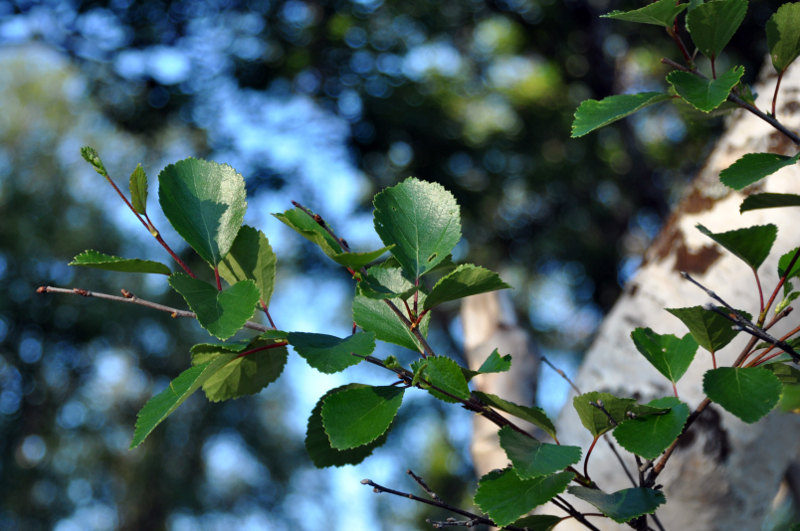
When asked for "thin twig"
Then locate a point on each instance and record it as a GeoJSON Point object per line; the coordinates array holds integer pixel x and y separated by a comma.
{"type": "Point", "coordinates": [130, 298]}
{"type": "Point", "coordinates": [424, 485]}
{"type": "Point", "coordinates": [743, 323]}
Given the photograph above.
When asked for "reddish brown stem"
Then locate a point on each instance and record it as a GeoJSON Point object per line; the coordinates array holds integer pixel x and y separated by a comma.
{"type": "Point", "coordinates": [266, 311]}
{"type": "Point", "coordinates": [586, 459]}
{"type": "Point", "coordinates": [777, 87]}
{"type": "Point", "coordinates": [265, 347]}
{"type": "Point", "coordinates": [216, 277]}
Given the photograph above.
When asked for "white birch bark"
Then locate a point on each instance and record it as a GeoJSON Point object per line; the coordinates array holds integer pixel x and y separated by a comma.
{"type": "Point", "coordinates": [727, 473]}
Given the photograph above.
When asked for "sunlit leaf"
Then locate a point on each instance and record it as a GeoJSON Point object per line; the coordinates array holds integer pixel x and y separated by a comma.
{"type": "Point", "coordinates": [594, 114]}
{"type": "Point", "coordinates": [422, 220]}
{"type": "Point", "coordinates": [357, 416]}
{"type": "Point", "coordinates": [752, 167]}
{"type": "Point", "coordinates": [749, 393]}
{"type": "Point", "coordinates": [251, 257]}
{"type": "Point", "coordinates": [783, 35]}
{"type": "Point", "coordinates": [374, 315]}
{"type": "Point", "coordinates": [222, 313]}
{"type": "Point", "coordinates": [205, 202]}
{"type": "Point", "coordinates": [670, 355]}
{"type": "Point", "coordinates": [750, 244]}
{"type": "Point", "coordinates": [614, 410]}
{"type": "Point", "coordinates": [311, 229]}
{"type": "Point", "coordinates": [100, 260]}
{"type": "Point", "coordinates": [705, 94]}
{"type": "Point", "coordinates": [138, 187]}
{"type": "Point", "coordinates": [160, 406]}
{"type": "Point", "coordinates": [659, 13]}
{"type": "Point", "coordinates": [463, 281]}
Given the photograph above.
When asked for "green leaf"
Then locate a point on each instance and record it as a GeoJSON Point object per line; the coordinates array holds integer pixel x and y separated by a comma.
{"type": "Point", "coordinates": [495, 363]}
{"type": "Point", "coordinates": [705, 94]}
{"type": "Point", "coordinates": [205, 202]}
{"type": "Point", "coordinates": [594, 114]}
{"type": "Point", "coordinates": [99, 260]}
{"type": "Point", "coordinates": [374, 315]}
{"type": "Point", "coordinates": [244, 375]}
{"type": "Point", "coordinates": [91, 156]}
{"type": "Point", "coordinates": [597, 421]}
{"type": "Point", "coordinates": [783, 265]}
{"type": "Point", "coordinates": [358, 260]}
{"type": "Point", "coordinates": [750, 244]}
{"type": "Point", "coordinates": [330, 354]}
{"type": "Point", "coordinates": [221, 313]}
{"type": "Point", "coordinates": [422, 220]}
{"type": "Point", "coordinates": [386, 282]}
{"type": "Point", "coordinates": [711, 330]}
{"type": "Point", "coordinates": [251, 257]}
{"type": "Point", "coordinates": [650, 435]}
{"type": "Point", "coordinates": [504, 496]}
{"type": "Point", "coordinates": [623, 505]}
{"type": "Point", "coordinates": [753, 167]}
{"type": "Point", "coordinates": [660, 13]}
{"type": "Point", "coordinates": [444, 373]}
{"type": "Point", "coordinates": [712, 24]}
{"type": "Point", "coordinates": [311, 230]}
{"type": "Point", "coordinates": [769, 200]}
{"type": "Point", "coordinates": [138, 187]}
{"type": "Point", "coordinates": [783, 35]}
{"type": "Point", "coordinates": [537, 522]}
{"type": "Point", "coordinates": [668, 354]}
{"type": "Point", "coordinates": [749, 393]}
{"type": "Point", "coordinates": [532, 458]}
{"type": "Point", "coordinates": [319, 447]}
{"type": "Point", "coordinates": [354, 417]}
{"type": "Point", "coordinates": [534, 415]}
{"type": "Point", "coordinates": [160, 406]}
{"type": "Point", "coordinates": [463, 281]}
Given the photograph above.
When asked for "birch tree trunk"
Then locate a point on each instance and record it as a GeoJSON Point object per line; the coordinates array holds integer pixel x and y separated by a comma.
{"type": "Point", "coordinates": [726, 473]}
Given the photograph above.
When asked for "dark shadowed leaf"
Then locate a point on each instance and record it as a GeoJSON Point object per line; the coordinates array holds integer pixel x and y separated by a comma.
{"type": "Point", "coordinates": [713, 23]}
{"type": "Point", "coordinates": [504, 496]}
{"type": "Point", "coordinates": [614, 411]}
{"type": "Point", "coordinates": [357, 416]}
{"type": "Point", "coordinates": [753, 167]}
{"type": "Point", "coordinates": [751, 244]}
{"type": "Point", "coordinates": [532, 458]}
{"type": "Point", "coordinates": [422, 221]}
{"type": "Point", "coordinates": [534, 415]}
{"type": "Point", "coordinates": [100, 260]}
{"type": "Point", "coordinates": [319, 446]}
{"type": "Point", "coordinates": [783, 35]}
{"type": "Point", "coordinates": [594, 114]}
{"type": "Point", "coordinates": [622, 505]}
{"type": "Point", "coordinates": [769, 200]}
{"type": "Point", "coordinates": [221, 313]}
{"type": "Point", "coordinates": [650, 435]}
{"type": "Point", "coordinates": [443, 373]}
{"type": "Point", "coordinates": [749, 393]}
{"type": "Point", "coordinates": [330, 354]}
{"type": "Point", "coordinates": [711, 330]}
{"type": "Point", "coordinates": [205, 202]}
{"type": "Point", "coordinates": [538, 522]}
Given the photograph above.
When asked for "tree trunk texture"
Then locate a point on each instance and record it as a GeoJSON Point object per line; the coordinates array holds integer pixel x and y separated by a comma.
{"type": "Point", "coordinates": [726, 472]}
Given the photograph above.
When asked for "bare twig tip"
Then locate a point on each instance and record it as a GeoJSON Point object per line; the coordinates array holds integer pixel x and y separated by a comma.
{"type": "Point", "coordinates": [41, 289]}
